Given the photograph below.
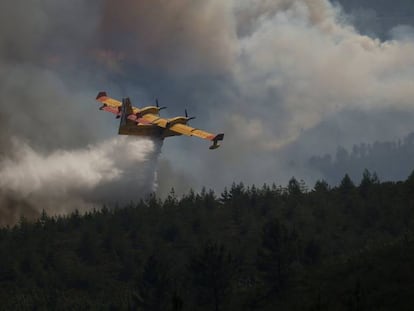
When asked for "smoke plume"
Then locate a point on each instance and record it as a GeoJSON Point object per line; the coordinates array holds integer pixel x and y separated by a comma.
{"type": "Point", "coordinates": [119, 170]}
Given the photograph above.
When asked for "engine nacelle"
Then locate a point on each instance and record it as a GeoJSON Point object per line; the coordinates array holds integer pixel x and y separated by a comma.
{"type": "Point", "coordinates": [177, 120]}
{"type": "Point", "coordinates": [148, 110]}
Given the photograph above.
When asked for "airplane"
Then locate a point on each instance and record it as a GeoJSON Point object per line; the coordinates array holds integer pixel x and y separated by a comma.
{"type": "Point", "coordinates": [147, 121]}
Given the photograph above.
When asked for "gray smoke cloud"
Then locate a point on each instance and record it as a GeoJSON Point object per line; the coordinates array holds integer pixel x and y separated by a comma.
{"type": "Point", "coordinates": [170, 36]}
{"type": "Point", "coordinates": [282, 79]}
{"type": "Point", "coordinates": [297, 65]}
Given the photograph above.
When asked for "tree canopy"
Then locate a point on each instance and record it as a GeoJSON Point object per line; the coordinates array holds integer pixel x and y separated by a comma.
{"type": "Point", "coordinates": [349, 247]}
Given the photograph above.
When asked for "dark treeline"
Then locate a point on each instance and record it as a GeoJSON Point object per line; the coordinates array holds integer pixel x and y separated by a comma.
{"type": "Point", "coordinates": [270, 248]}
{"type": "Point", "coordinates": [389, 159]}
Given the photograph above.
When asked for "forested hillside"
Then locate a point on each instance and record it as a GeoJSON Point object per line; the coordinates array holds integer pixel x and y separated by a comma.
{"type": "Point", "coordinates": [297, 247]}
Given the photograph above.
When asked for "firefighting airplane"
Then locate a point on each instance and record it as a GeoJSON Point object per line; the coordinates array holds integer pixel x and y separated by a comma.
{"type": "Point", "coordinates": [147, 121]}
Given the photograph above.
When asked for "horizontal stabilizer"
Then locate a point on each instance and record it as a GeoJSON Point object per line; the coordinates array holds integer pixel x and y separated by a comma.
{"type": "Point", "coordinates": [215, 139]}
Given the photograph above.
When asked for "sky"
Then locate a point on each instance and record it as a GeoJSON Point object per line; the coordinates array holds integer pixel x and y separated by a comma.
{"type": "Point", "coordinates": [285, 80]}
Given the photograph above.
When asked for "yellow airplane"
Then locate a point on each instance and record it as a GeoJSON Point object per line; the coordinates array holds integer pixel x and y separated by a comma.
{"type": "Point", "coordinates": [147, 121]}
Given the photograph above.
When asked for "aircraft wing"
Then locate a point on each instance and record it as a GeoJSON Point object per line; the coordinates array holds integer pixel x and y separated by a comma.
{"type": "Point", "coordinates": [190, 131]}
{"type": "Point", "coordinates": [179, 128]}
{"type": "Point", "coordinates": [109, 102]}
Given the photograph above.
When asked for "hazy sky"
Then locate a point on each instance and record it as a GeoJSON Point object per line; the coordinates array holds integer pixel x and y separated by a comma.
{"type": "Point", "coordinates": [283, 79]}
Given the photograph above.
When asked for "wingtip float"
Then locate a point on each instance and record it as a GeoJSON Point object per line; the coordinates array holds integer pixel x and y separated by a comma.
{"type": "Point", "coordinates": [146, 121]}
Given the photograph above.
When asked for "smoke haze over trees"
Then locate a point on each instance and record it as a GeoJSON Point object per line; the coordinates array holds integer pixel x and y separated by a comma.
{"type": "Point", "coordinates": [388, 159]}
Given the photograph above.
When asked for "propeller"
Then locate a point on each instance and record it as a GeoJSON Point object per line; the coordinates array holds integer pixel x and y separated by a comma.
{"type": "Point", "coordinates": [186, 115]}
{"type": "Point", "coordinates": [158, 105]}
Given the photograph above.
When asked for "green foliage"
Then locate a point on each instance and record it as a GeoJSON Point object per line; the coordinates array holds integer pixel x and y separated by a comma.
{"type": "Point", "coordinates": [153, 286]}
{"type": "Point", "coordinates": [349, 247]}
{"type": "Point", "coordinates": [276, 256]}
{"type": "Point", "coordinates": [213, 271]}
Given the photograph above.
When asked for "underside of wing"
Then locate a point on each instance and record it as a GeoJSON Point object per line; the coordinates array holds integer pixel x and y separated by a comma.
{"type": "Point", "coordinates": [153, 119]}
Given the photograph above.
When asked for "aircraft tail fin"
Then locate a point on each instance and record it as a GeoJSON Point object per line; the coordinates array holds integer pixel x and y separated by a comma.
{"type": "Point", "coordinates": [126, 110]}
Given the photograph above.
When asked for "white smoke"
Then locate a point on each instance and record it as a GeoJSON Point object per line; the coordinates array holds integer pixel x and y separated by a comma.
{"type": "Point", "coordinates": [315, 66]}
{"type": "Point", "coordinates": [115, 171]}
